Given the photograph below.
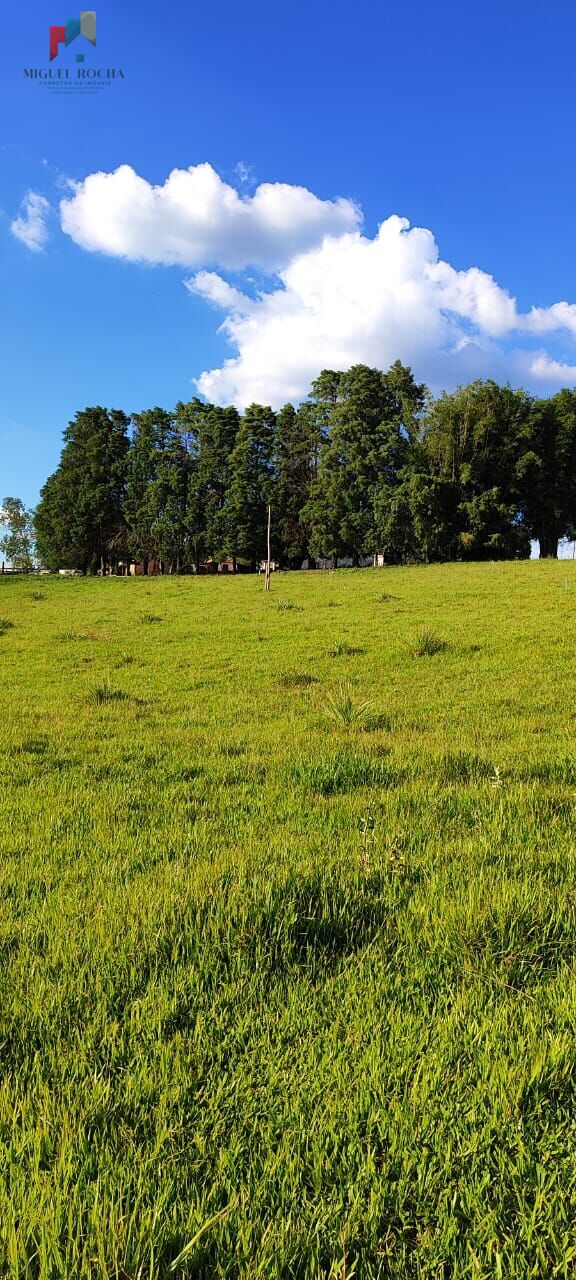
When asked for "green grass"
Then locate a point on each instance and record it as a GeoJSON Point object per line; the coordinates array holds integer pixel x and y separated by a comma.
{"type": "Point", "coordinates": [286, 993]}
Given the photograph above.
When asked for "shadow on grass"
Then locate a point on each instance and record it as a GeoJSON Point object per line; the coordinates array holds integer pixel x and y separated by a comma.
{"type": "Point", "coordinates": [343, 772]}
{"type": "Point", "coordinates": [301, 921]}
{"type": "Point", "coordinates": [464, 767]}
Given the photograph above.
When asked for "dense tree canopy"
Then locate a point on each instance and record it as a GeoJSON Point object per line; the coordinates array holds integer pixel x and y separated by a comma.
{"type": "Point", "coordinates": [369, 464]}
{"type": "Point", "coordinates": [80, 520]}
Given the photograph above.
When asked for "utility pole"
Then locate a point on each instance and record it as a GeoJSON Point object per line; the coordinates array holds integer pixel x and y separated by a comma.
{"type": "Point", "coordinates": [267, 577]}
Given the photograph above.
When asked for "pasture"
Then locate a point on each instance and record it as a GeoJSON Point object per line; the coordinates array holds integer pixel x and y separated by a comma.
{"type": "Point", "coordinates": [288, 926]}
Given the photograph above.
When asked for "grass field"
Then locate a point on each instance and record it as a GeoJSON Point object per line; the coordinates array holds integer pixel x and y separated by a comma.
{"type": "Point", "coordinates": [288, 926]}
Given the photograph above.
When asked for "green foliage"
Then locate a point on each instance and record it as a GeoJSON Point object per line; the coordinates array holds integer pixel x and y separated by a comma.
{"type": "Point", "coordinates": [215, 432]}
{"type": "Point", "coordinates": [547, 470]}
{"type": "Point", "coordinates": [474, 439]}
{"type": "Point", "coordinates": [251, 486]}
{"type": "Point", "coordinates": [160, 473]}
{"type": "Point", "coordinates": [79, 520]}
{"type": "Point", "coordinates": [368, 427]}
{"type": "Point", "coordinates": [368, 464]}
{"type": "Point", "coordinates": [17, 543]}
{"type": "Point", "coordinates": [297, 442]}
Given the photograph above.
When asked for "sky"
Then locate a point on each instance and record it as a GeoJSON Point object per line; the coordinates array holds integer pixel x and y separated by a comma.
{"type": "Point", "coordinates": [270, 190]}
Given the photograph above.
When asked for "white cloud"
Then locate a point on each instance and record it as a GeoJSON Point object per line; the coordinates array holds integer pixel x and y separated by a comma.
{"type": "Point", "coordinates": [561, 315]}
{"type": "Point", "coordinates": [333, 296]}
{"type": "Point", "coordinates": [30, 226]}
{"type": "Point", "coordinates": [354, 299]}
{"type": "Point", "coordinates": [195, 219]}
{"type": "Point", "coordinates": [552, 371]}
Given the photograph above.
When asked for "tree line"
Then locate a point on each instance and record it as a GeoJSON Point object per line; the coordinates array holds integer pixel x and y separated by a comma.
{"type": "Point", "coordinates": [370, 463]}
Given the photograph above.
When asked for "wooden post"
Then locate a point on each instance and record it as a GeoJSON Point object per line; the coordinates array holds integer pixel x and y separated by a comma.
{"type": "Point", "coordinates": [267, 578]}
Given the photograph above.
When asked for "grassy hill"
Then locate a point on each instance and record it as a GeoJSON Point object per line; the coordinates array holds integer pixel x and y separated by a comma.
{"type": "Point", "coordinates": [288, 926]}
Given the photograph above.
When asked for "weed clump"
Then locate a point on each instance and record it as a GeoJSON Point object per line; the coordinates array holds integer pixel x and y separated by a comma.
{"type": "Point", "coordinates": [151, 617]}
{"type": "Point", "coordinates": [343, 708]}
{"type": "Point", "coordinates": [105, 693]}
{"type": "Point", "coordinates": [427, 644]}
{"type": "Point", "coordinates": [298, 680]}
{"type": "Point", "coordinates": [5, 625]}
{"type": "Point", "coordinates": [345, 650]}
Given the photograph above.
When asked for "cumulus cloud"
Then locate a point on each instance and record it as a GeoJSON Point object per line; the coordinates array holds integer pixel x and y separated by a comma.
{"type": "Point", "coordinates": [552, 371]}
{"type": "Point", "coordinates": [331, 295]}
{"type": "Point", "coordinates": [196, 219]}
{"type": "Point", "coordinates": [355, 299]}
{"type": "Point", "coordinates": [561, 315]}
{"type": "Point", "coordinates": [30, 226]}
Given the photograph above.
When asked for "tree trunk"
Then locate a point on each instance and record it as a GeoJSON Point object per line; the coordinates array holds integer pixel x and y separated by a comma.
{"type": "Point", "coordinates": [548, 539]}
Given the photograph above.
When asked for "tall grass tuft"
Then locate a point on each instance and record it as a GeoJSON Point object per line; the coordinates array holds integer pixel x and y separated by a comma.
{"type": "Point", "coordinates": [427, 643]}
{"type": "Point", "coordinates": [343, 708]}
{"type": "Point", "coordinates": [345, 650]}
{"type": "Point", "coordinates": [105, 693]}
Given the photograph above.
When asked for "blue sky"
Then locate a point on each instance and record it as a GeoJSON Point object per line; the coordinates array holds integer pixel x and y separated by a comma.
{"type": "Point", "coordinates": [457, 118]}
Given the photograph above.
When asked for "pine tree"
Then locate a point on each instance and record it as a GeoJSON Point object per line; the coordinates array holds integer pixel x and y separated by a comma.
{"type": "Point", "coordinates": [367, 446]}
{"type": "Point", "coordinates": [217, 432]}
{"type": "Point", "coordinates": [251, 485]}
{"type": "Point", "coordinates": [156, 488]}
{"type": "Point", "coordinates": [79, 521]}
{"type": "Point", "coordinates": [296, 460]}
